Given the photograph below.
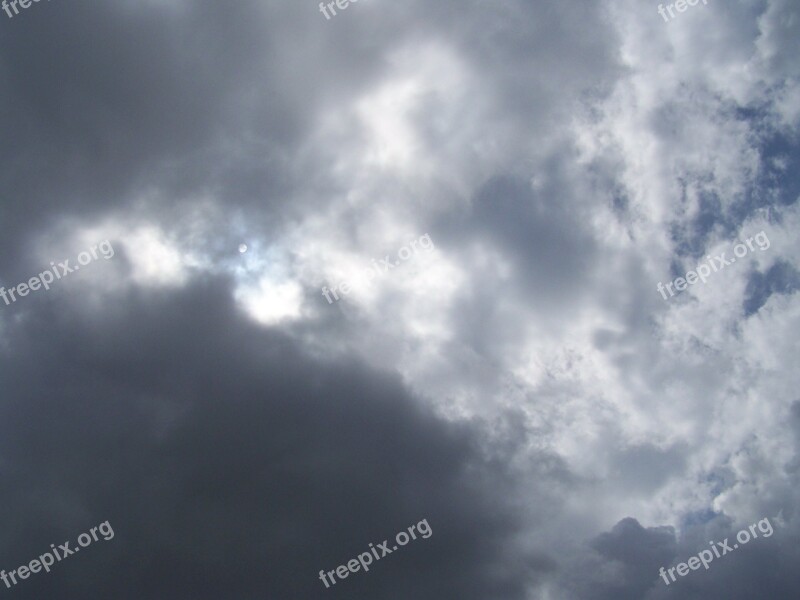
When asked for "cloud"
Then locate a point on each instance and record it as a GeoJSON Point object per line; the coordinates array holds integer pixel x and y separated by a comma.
{"type": "Point", "coordinates": [219, 451]}
{"type": "Point", "coordinates": [564, 429]}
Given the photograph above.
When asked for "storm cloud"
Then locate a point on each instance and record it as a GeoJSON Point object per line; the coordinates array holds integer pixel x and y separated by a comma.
{"type": "Point", "coordinates": [564, 429]}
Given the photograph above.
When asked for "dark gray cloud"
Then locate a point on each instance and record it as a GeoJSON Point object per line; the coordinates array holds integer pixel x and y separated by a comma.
{"type": "Point", "coordinates": [625, 563]}
{"type": "Point", "coordinates": [524, 388]}
{"type": "Point", "coordinates": [229, 463]}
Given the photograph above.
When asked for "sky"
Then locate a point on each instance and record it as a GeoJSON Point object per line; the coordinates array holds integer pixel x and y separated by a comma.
{"type": "Point", "coordinates": [516, 277]}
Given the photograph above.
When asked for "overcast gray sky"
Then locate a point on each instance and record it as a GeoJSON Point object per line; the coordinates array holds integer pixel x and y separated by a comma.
{"type": "Point", "coordinates": [523, 175]}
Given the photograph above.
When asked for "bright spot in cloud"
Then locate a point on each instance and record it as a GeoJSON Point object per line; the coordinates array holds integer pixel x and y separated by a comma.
{"type": "Point", "coordinates": [155, 260]}
{"type": "Point", "coordinates": [271, 302]}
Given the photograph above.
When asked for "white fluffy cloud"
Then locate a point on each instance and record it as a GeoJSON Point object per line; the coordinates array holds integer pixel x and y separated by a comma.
{"type": "Point", "coordinates": [564, 159]}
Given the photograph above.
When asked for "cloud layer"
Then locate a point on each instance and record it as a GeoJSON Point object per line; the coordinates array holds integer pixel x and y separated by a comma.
{"type": "Point", "coordinates": [565, 430]}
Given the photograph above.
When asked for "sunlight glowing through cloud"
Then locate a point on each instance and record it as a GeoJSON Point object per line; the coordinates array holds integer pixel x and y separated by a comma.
{"type": "Point", "coordinates": [271, 302]}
